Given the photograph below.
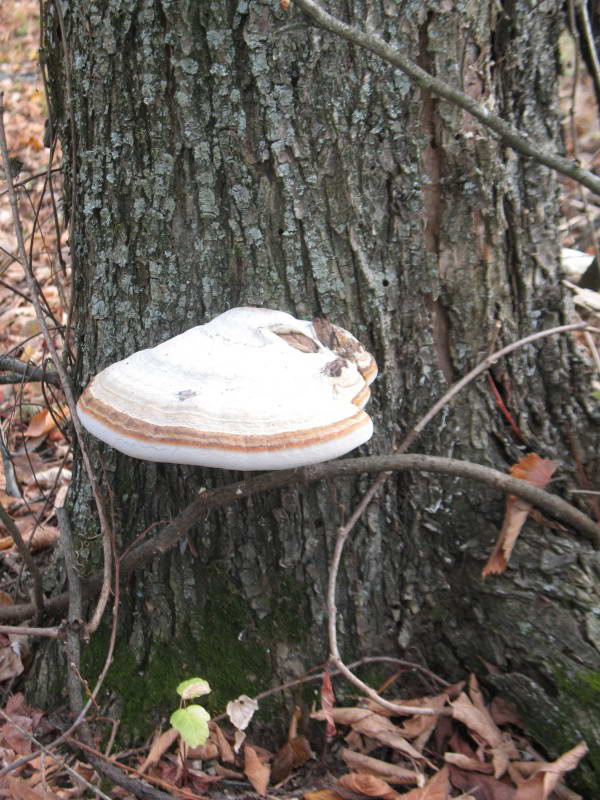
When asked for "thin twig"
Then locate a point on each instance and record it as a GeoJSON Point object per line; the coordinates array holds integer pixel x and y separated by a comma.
{"type": "Point", "coordinates": [31, 178]}
{"type": "Point", "coordinates": [107, 539]}
{"type": "Point", "coordinates": [345, 530]}
{"type": "Point", "coordinates": [584, 16]}
{"type": "Point", "coordinates": [18, 630]}
{"type": "Point", "coordinates": [519, 142]}
{"type": "Point", "coordinates": [311, 676]}
{"type": "Point", "coordinates": [28, 371]}
{"type": "Point", "coordinates": [11, 484]}
{"type": "Point", "coordinates": [236, 492]}
{"type": "Point", "coordinates": [47, 751]}
{"type": "Point", "coordinates": [481, 367]}
{"type": "Point", "coordinates": [73, 599]}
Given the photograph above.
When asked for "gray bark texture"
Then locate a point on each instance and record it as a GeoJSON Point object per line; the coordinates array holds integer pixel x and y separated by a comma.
{"type": "Point", "coordinates": [229, 153]}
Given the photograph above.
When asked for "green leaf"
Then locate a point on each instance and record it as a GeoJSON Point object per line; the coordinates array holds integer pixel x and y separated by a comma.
{"type": "Point", "coordinates": [193, 687]}
{"type": "Point", "coordinates": [192, 724]}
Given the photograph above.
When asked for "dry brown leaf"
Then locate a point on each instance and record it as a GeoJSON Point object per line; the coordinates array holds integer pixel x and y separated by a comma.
{"type": "Point", "coordinates": [363, 784]}
{"type": "Point", "coordinates": [43, 421]}
{"type": "Point", "coordinates": [502, 753]}
{"type": "Point", "coordinates": [437, 788]}
{"type": "Point", "coordinates": [204, 752]}
{"type": "Point", "coordinates": [468, 762]}
{"type": "Point", "coordinates": [418, 702]}
{"type": "Point", "coordinates": [241, 711]}
{"type": "Point", "coordinates": [327, 704]}
{"type": "Point", "coordinates": [537, 472]}
{"type": "Point", "coordinates": [47, 478]}
{"type": "Point", "coordinates": [11, 664]}
{"type": "Point", "coordinates": [484, 787]}
{"type": "Point", "coordinates": [542, 783]}
{"type": "Point", "coordinates": [344, 715]}
{"type": "Point", "coordinates": [44, 536]}
{"type": "Point", "coordinates": [225, 749]}
{"type": "Point", "coordinates": [379, 769]}
{"type": "Point", "coordinates": [322, 794]}
{"type": "Point", "coordinates": [283, 763]}
{"type": "Point", "coordinates": [477, 720]}
{"type": "Point", "coordinates": [226, 772]}
{"type": "Point", "coordinates": [160, 745]}
{"type": "Point", "coordinates": [374, 726]}
{"type": "Point", "coordinates": [292, 755]}
{"type": "Point", "coordinates": [256, 772]}
{"type": "Point", "coordinates": [20, 790]}
{"type": "Point", "coordinates": [420, 727]}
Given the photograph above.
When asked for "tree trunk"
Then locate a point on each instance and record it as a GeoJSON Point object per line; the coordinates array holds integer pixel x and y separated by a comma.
{"type": "Point", "coordinates": [232, 154]}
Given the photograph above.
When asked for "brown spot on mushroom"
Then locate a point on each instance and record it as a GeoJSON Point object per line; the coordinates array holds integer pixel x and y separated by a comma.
{"type": "Point", "coordinates": [334, 368]}
{"type": "Point", "coordinates": [301, 342]}
{"type": "Point", "coordinates": [326, 332]}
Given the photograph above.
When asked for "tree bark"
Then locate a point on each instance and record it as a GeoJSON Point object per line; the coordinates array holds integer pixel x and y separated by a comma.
{"type": "Point", "coordinates": [232, 154]}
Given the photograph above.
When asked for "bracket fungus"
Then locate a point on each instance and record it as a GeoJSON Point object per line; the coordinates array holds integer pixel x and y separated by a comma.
{"type": "Point", "coordinates": [252, 389]}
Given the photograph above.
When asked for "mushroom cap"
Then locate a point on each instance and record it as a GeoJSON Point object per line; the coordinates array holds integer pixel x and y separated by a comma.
{"type": "Point", "coordinates": [252, 389]}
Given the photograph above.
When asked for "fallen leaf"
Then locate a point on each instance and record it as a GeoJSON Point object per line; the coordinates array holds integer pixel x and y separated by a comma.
{"type": "Point", "coordinates": [543, 782]}
{"type": "Point", "coordinates": [238, 739]}
{"type": "Point", "coordinates": [11, 664]}
{"type": "Point", "coordinates": [327, 704]}
{"type": "Point", "coordinates": [225, 749]}
{"type": "Point", "coordinates": [256, 772]}
{"type": "Point", "coordinates": [226, 772]}
{"type": "Point", "coordinates": [160, 745]}
{"type": "Point", "coordinates": [363, 784]}
{"type": "Point", "coordinates": [484, 787]}
{"type": "Point", "coordinates": [322, 794]}
{"type": "Point", "coordinates": [204, 752]}
{"type": "Point", "coordinates": [468, 762]}
{"type": "Point", "coordinates": [20, 790]}
{"type": "Point", "coordinates": [283, 763]}
{"type": "Point", "coordinates": [437, 788]}
{"type": "Point", "coordinates": [537, 472]}
{"type": "Point", "coordinates": [241, 711]}
{"type": "Point", "coordinates": [44, 421]}
{"type": "Point", "coordinates": [47, 478]}
{"type": "Point", "coordinates": [477, 720]}
{"type": "Point", "coordinates": [373, 725]}
{"type": "Point", "coordinates": [292, 755]}
{"type": "Point", "coordinates": [379, 769]}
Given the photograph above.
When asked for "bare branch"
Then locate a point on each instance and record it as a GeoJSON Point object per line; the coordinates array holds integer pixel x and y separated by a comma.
{"type": "Point", "coordinates": [519, 142]}
{"type": "Point", "coordinates": [28, 372]}
{"type": "Point", "coordinates": [65, 384]}
{"type": "Point", "coordinates": [235, 492]}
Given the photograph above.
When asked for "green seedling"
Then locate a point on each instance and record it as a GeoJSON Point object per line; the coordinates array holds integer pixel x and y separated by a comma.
{"type": "Point", "coordinates": [192, 720]}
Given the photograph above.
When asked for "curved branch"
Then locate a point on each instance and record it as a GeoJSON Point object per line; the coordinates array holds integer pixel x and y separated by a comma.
{"type": "Point", "coordinates": [228, 495]}
{"type": "Point", "coordinates": [519, 142]}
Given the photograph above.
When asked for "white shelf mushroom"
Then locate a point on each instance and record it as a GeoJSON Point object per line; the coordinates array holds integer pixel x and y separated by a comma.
{"type": "Point", "coordinates": [252, 389]}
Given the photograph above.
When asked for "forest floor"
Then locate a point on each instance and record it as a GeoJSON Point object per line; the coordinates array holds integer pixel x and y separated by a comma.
{"type": "Point", "coordinates": [472, 748]}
